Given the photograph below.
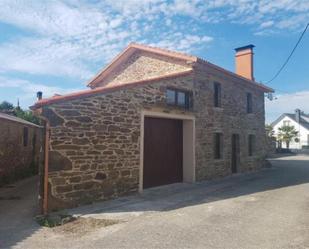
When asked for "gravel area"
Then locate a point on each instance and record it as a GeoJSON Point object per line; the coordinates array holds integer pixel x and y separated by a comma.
{"type": "Point", "coordinates": [83, 226]}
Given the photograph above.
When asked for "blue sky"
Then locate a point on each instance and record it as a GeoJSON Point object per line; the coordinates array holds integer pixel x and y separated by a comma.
{"type": "Point", "coordinates": [57, 46]}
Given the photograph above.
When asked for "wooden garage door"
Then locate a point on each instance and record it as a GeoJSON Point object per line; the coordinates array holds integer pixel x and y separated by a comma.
{"type": "Point", "coordinates": [162, 151]}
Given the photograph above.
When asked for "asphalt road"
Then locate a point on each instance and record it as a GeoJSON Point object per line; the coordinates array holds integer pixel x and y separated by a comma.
{"type": "Point", "coordinates": [266, 209]}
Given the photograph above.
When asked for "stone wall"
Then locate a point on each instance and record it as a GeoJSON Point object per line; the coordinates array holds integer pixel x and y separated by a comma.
{"type": "Point", "coordinates": [144, 65]}
{"type": "Point", "coordinates": [230, 118]}
{"type": "Point", "coordinates": [16, 160]}
{"type": "Point", "coordinates": [95, 141]}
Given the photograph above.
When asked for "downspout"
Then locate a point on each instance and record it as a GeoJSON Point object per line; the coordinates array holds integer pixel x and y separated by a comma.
{"type": "Point", "coordinates": [38, 113]}
{"type": "Point", "coordinates": [46, 161]}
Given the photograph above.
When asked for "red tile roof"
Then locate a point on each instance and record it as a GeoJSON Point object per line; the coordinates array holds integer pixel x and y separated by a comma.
{"type": "Point", "coordinates": [105, 89]}
{"type": "Point", "coordinates": [125, 54]}
{"type": "Point", "coordinates": [129, 50]}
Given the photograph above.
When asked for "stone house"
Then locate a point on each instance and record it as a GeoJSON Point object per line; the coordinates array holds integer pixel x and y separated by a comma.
{"type": "Point", "coordinates": [152, 117]}
{"type": "Point", "coordinates": [20, 143]}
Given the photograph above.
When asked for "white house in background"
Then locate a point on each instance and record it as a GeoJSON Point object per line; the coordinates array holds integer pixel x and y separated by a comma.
{"type": "Point", "coordinates": [300, 121]}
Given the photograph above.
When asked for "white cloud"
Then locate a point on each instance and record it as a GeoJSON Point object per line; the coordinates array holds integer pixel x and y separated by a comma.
{"type": "Point", "coordinates": [266, 24]}
{"type": "Point", "coordinates": [69, 37]}
{"type": "Point", "coordinates": [43, 56]}
{"type": "Point", "coordinates": [27, 90]}
{"type": "Point", "coordinates": [286, 103]}
{"type": "Point", "coordinates": [285, 14]}
{"type": "Point", "coordinates": [182, 43]}
{"type": "Point", "coordinates": [73, 38]}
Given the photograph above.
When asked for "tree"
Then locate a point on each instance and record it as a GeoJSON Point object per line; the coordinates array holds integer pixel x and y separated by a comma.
{"type": "Point", "coordinates": [9, 108]}
{"type": "Point", "coordinates": [286, 134]}
{"type": "Point", "coordinates": [269, 131]}
{"type": "Point", "coordinates": [26, 115]}
{"type": "Point", "coordinates": [6, 106]}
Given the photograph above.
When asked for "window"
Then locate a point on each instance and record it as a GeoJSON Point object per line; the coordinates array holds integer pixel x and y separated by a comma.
{"type": "Point", "coordinates": [181, 99]}
{"type": "Point", "coordinates": [25, 136]}
{"type": "Point", "coordinates": [217, 94]}
{"type": "Point", "coordinates": [286, 123]}
{"type": "Point", "coordinates": [251, 145]}
{"type": "Point", "coordinates": [178, 98]}
{"type": "Point", "coordinates": [170, 96]}
{"type": "Point", "coordinates": [249, 103]}
{"type": "Point", "coordinates": [218, 145]}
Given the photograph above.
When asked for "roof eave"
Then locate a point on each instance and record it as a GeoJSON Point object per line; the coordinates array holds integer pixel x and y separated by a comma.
{"type": "Point", "coordinates": [135, 47]}
{"type": "Point", "coordinates": [263, 87]}
{"type": "Point", "coordinates": [100, 90]}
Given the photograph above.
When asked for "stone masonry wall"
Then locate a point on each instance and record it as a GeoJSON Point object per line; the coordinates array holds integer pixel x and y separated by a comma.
{"type": "Point", "coordinates": [144, 65]}
{"type": "Point", "coordinates": [16, 160]}
{"type": "Point", "coordinates": [230, 118]}
{"type": "Point", "coordinates": [95, 141]}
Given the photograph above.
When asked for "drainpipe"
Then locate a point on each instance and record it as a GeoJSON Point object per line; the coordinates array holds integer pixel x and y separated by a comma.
{"type": "Point", "coordinates": [38, 113]}
{"type": "Point", "coordinates": [46, 160]}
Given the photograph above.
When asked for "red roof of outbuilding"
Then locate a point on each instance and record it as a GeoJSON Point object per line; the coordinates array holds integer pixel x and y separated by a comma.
{"type": "Point", "coordinates": [105, 89]}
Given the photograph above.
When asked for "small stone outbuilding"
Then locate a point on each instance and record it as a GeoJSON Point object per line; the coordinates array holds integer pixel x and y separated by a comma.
{"type": "Point", "coordinates": [20, 143]}
{"type": "Point", "coordinates": [153, 117]}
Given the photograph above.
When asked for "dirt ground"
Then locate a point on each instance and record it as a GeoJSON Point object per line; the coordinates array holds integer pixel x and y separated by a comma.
{"type": "Point", "coordinates": [82, 226]}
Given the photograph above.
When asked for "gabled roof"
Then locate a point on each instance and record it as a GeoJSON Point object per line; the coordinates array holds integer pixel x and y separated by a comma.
{"type": "Point", "coordinates": [303, 122]}
{"type": "Point", "coordinates": [133, 47]}
{"type": "Point", "coordinates": [128, 51]}
{"type": "Point", "coordinates": [16, 119]}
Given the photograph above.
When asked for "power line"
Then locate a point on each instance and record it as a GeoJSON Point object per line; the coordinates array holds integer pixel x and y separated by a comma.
{"type": "Point", "coordinates": [287, 60]}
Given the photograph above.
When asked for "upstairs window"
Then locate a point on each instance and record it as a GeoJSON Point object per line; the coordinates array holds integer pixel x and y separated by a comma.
{"type": "Point", "coordinates": [286, 123]}
{"type": "Point", "coordinates": [217, 94]}
{"type": "Point", "coordinates": [170, 97]}
{"type": "Point", "coordinates": [218, 145]}
{"type": "Point", "coordinates": [25, 136]}
{"type": "Point", "coordinates": [178, 98]}
{"type": "Point", "coordinates": [251, 145]}
{"type": "Point", "coordinates": [249, 103]}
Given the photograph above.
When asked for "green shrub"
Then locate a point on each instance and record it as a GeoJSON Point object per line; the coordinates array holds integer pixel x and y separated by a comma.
{"type": "Point", "coordinates": [54, 220]}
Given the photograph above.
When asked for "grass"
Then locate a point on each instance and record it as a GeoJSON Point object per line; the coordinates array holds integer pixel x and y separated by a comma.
{"type": "Point", "coordinates": [73, 226]}
{"type": "Point", "coordinates": [54, 220]}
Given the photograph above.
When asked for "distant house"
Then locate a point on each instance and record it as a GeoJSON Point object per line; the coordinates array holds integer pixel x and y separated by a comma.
{"type": "Point", "coordinates": [20, 143]}
{"type": "Point", "coordinates": [153, 117]}
{"type": "Point", "coordinates": [300, 121]}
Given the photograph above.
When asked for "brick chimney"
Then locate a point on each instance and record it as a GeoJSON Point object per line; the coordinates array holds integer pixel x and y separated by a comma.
{"type": "Point", "coordinates": [244, 61]}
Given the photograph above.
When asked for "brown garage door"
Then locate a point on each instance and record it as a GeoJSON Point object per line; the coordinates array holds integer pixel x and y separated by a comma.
{"type": "Point", "coordinates": [162, 151]}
